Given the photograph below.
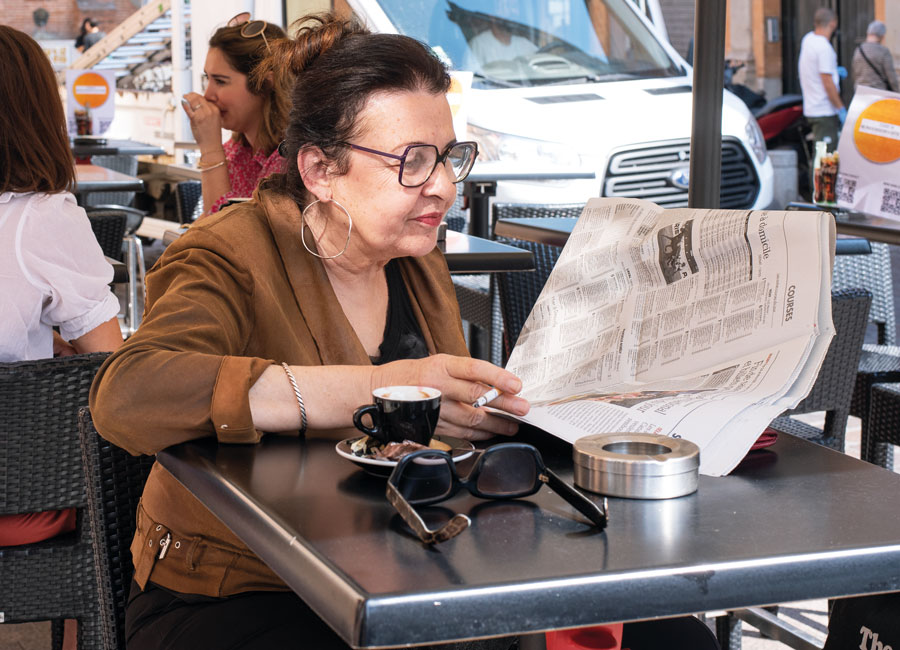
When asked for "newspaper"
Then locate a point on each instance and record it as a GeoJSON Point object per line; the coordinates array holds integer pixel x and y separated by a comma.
{"type": "Point", "coordinates": [691, 323]}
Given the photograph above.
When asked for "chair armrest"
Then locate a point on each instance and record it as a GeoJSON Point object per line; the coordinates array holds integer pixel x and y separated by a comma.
{"type": "Point", "coordinates": [120, 271]}
{"type": "Point", "coordinates": [852, 246]}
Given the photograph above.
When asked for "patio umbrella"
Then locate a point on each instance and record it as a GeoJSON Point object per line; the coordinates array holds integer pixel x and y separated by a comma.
{"type": "Point", "coordinates": [706, 128]}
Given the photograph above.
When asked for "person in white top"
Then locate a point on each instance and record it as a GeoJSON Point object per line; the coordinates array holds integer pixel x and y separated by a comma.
{"type": "Point", "coordinates": [52, 270]}
{"type": "Point", "coordinates": [819, 80]}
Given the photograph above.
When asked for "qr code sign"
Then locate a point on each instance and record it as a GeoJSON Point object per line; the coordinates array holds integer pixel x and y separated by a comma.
{"type": "Point", "coordinates": [890, 201]}
{"type": "Point", "coordinates": [846, 189]}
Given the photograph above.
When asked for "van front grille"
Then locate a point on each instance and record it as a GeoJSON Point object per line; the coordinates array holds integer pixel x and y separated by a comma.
{"type": "Point", "coordinates": [658, 173]}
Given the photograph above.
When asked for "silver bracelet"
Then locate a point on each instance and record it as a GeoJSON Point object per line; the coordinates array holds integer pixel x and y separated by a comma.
{"type": "Point", "coordinates": [290, 376]}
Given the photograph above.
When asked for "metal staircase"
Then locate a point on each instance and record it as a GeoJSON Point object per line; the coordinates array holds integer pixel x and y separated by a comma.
{"type": "Point", "coordinates": [139, 49]}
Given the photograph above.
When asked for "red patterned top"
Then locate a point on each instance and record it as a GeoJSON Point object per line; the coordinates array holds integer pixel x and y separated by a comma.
{"type": "Point", "coordinates": [246, 169]}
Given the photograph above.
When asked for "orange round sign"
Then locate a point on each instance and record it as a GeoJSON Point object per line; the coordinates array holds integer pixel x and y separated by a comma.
{"type": "Point", "coordinates": [877, 131]}
{"type": "Point", "coordinates": [90, 88]}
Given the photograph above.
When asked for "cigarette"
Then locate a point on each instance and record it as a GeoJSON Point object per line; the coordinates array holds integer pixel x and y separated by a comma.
{"type": "Point", "coordinates": [489, 396]}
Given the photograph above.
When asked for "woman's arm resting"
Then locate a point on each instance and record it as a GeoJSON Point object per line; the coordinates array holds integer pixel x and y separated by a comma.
{"type": "Point", "coordinates": [332, 393]}
{"type": "Point", "coordinates": [106, 337]}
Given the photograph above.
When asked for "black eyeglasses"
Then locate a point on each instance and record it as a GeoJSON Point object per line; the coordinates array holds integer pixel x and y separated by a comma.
{"type": "Point", "coordinates": [506, 471]}
{"type": "Point", "coordinates": [419, 161]}
{"type": "Point", "coordinates": [250, 28]}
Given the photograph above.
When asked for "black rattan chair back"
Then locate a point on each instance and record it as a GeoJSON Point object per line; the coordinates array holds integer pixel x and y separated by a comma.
{"type": "Point", "coordinates": [833, 388]}
{"type": "Point", "coordinates": [114, 480]}
{"type": "Point", "coordinates": [872, 272]}
{"type": "Point", "coordinates": [188, 201]}
{"type": "Point", "coordinates": [519, 290]}
{"type": "Point", "coordinates": [40, 469]}
{"type": "Point", "coordinates": [109, 229]}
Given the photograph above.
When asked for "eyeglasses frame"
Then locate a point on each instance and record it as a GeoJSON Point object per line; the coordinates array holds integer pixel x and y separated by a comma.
{"type": "Point", "coordinates": [599, 516]}
{"type": "Point", "coordinates": [440, 158]}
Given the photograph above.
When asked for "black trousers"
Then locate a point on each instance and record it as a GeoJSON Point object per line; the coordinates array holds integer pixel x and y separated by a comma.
{"type": "Point", "coordinates": [159, 619]}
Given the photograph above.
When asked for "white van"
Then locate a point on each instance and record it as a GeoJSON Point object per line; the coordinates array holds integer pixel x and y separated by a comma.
{"type": "Point", "coordinates": [580, 84]}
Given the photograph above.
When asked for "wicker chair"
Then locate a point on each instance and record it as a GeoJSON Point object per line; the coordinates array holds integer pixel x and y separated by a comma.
{"type": "Point", "coordinates": [109, 229]}
{"type": "Point", "coordinates": [124, 163]}
{"type": "Point", "coordinates": [188, 201]}
{"type": "Point", "coordinates": [40, 469]}
{"type": "Point", "coordinates": [519, 291]}
{"type": "Point", "coordinates": [880, 362]}
{"type": "Point", "coordinates": [832, 390]}
{"type": "Point", "coordinates": [114, 482]}
{"type": "Point", "coordinates": [884, 424]}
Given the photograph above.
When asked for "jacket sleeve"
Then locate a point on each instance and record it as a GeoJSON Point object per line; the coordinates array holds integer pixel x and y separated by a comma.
{"type": "Point", "coordinates": [183, 375]}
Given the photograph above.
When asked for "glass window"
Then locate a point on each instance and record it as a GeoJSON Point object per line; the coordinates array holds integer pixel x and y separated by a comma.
{"type": "Point", "coordinates": [534, 42]}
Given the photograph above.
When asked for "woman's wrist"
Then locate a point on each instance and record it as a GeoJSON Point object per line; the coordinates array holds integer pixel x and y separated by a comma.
{"type": "Point", "coordinates": [212, 155]}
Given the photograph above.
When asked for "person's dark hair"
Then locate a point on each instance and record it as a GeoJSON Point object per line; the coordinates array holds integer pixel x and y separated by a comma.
{"type": "Point", "coordinates": [88, 22]}
{"type": "Point", "coordinates": [245, 55]}
{"type": "Point", "coordinates": [338, 65]}
{"type": "Point", "coordinates": [34, 146]}
{"type": "Point", "coordinates": [823, 16]}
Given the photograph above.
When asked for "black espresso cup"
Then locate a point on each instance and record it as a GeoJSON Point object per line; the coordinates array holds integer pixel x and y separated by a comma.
{"type": "Point", "coordinates": [401, 413]}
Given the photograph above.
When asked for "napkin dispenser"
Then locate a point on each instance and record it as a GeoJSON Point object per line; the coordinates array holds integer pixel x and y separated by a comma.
{"type": "Point", "coordinates": [636, 465]}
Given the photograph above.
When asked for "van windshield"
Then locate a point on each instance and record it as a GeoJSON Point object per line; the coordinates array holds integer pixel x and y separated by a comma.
{"type": "Point", "coordinates": [535, 42]}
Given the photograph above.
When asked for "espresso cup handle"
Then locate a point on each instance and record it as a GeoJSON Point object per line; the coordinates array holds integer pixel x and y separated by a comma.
{"type": "Point", "coordinates": [374, 431]}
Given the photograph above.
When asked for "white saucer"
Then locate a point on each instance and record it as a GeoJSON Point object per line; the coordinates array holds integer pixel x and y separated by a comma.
{"type": "Point", "coordinates": [459, 450]}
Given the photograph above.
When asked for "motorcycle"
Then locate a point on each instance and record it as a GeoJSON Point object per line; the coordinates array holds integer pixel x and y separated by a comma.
{"type": "Point", "coordinates": [781, 122]}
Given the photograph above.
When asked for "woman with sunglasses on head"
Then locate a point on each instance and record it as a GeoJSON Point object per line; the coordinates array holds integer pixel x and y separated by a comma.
{"type": "Point", "coordinates": [284, 312]}
{"type": "Point", "coordinates": [253, 106]}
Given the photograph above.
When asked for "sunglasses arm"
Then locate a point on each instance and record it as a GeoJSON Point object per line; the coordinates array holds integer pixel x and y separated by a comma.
{"type": "Point", "coordinates": [456, 525]}
{"type": "Point", "coordinates": [576, 499]}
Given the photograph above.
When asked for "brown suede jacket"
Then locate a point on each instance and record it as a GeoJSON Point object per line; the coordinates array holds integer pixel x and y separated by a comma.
{"type": "Point", "coordinates": [233, 295]}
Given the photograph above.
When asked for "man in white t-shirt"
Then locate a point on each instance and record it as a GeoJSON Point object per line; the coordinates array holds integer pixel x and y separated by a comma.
{"type": "Point", "coordinates": [819, 80]}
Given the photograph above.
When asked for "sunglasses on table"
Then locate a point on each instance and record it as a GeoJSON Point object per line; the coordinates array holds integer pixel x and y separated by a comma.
{"type": "Point", "coordinates": [418, 161]}
{"type": "Point", "coordinates": [250, 28]}
{"type": "Point", "coordinates": [506, 471]}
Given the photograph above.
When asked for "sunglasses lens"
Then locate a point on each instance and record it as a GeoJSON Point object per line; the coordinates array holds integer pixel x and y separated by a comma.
{"type": "Point", "coordinates": [508, 472]}
{"type": "Point", "coordinates": [240, 19]}
{"type": "Point", "coordinates": [253, 28]}
{"type": "Point", "coordinates": [425, 478]}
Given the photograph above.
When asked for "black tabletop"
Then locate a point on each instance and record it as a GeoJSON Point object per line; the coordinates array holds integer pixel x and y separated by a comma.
{"type": "Point", "coordinates": [115, 147]}
{"type": "Point", "coordinates": [92, 178]}
{"type": "Point", "coordinates": [877, 229]}
{"type": "Point", "coordinates": [555, 231]}
{"type": "Point", "coordinates": [792, 522]}
{"type": "Point", "coordinates": [552, 231]}
{"type": "Point", "coordinates": [470, 254]}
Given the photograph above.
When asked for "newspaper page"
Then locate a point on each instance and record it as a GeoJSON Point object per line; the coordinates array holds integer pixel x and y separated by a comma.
{"type": "Point", "coordinates": [701, 324]}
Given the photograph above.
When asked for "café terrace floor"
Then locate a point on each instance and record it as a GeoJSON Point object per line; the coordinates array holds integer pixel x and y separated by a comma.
{"type": "Point", "coordinates": [809, 615]}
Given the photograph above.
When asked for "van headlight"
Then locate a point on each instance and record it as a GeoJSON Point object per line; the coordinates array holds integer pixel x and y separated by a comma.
{"type": "Point", "coordinates": [757, 141]}
{"type": "Point", "coordinates": [493, 145]}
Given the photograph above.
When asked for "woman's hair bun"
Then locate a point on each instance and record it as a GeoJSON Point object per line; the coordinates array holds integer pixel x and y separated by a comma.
{"type": "Point", "coordinates": [315, 35]}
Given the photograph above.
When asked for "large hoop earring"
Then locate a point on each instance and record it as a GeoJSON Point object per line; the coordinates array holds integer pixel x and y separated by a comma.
{"type": "Point", "coordinates": [303, 231]}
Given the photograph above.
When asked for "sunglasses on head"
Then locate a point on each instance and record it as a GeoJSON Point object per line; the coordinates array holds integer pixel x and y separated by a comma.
{"type": "Point", "coordinates": [506, 471]}
{"type": "Point", "coordinates": [250, 28]}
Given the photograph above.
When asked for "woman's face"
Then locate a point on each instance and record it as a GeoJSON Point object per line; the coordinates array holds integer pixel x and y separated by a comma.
{"type": "Point", "coordinates": [240, 109]}
{"type": "Point", "coordinates": [390, 220]}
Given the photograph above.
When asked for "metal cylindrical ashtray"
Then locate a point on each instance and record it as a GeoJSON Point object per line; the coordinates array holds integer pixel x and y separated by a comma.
{"type": "Point", "coordinates": [636, 465]}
